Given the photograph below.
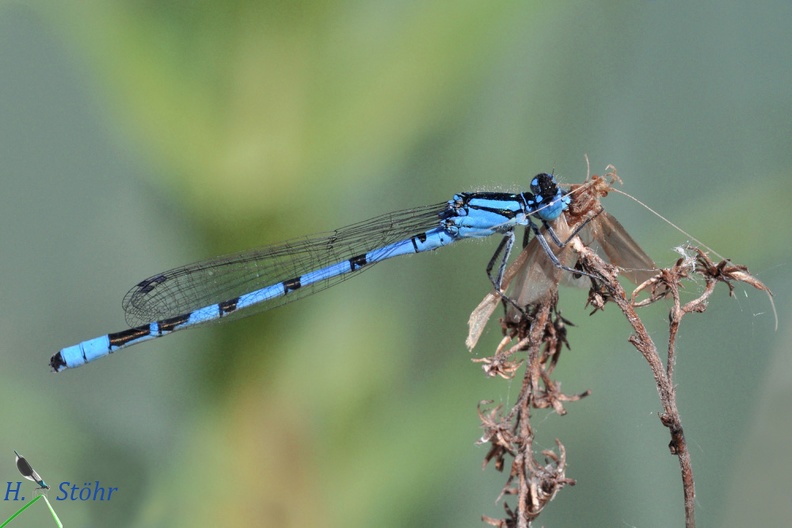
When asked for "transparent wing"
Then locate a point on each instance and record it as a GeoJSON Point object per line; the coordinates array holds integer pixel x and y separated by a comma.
{"type": "Point", "coordinates": [608, 236]}
{"type": "Point", "coordinates": [529, 277]}
{"type": "Point", "coordinates": [538, 274]}
{"type": "Point", "coordinates": [187, 288]}
{"type": "Point", "coordinates": [604, 234]}
{"type": "Point", "coordinates": [533, 274]}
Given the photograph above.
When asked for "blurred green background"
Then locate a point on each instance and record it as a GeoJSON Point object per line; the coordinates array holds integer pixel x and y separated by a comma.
{"type": "Point", "coordinates": [137, 136]}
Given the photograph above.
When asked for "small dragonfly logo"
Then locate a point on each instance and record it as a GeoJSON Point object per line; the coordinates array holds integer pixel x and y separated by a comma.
{"type": "Point", "coordinates": [28, 472]}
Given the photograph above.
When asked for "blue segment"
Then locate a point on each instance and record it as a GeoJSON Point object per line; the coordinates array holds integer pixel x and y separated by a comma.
{"type": "Point", "coordinates": [239, 285]}
{"type": "Point", "coordinates": [259, 296]}
{"type": "Point", "coordinates": [85, 352]}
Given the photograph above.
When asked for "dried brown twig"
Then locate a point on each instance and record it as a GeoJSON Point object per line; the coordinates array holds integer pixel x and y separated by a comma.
{"type": "Point", "coordinates": [541, 332]}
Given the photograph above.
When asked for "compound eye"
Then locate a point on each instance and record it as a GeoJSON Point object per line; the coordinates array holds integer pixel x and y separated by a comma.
{"type": "Point", "coordinates": [543, 186]}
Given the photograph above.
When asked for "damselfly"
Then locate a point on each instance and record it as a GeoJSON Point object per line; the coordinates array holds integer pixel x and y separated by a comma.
{"type": "Point", "coordinates": [242, 284]}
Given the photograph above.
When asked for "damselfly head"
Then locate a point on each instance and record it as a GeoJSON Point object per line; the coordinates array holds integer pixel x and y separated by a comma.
{"type": "Point", "coordinates": [544, 187]}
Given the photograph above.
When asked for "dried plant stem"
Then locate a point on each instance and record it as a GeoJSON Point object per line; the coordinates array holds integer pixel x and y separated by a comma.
{"type": "Point", "coordinates": [666, 283]}
{"type": "Point", "coordinates": [542, 334]}
{"type": "Point", "coordinates": [540, 331]}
